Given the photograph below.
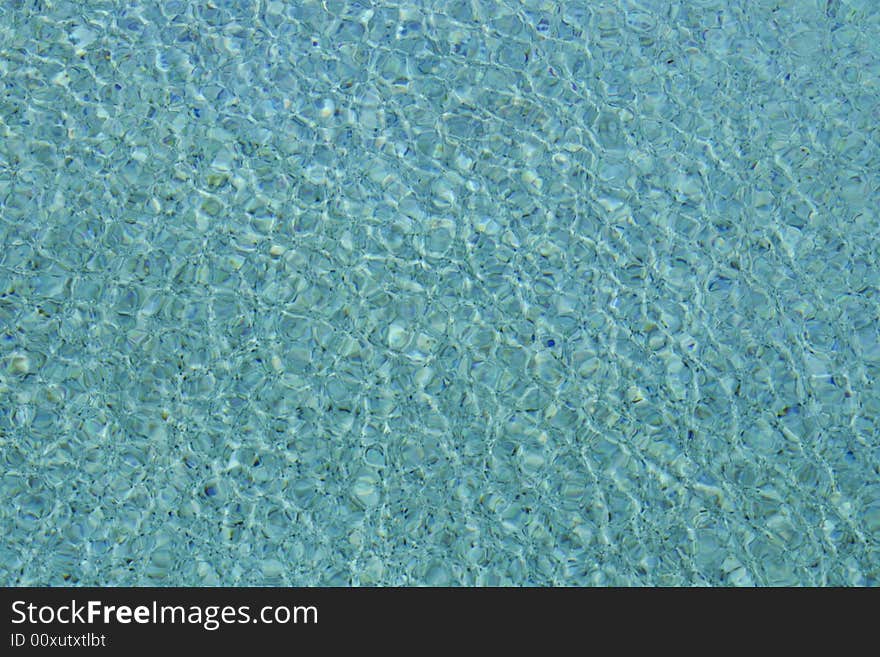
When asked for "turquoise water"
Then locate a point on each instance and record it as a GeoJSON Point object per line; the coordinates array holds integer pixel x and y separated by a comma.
{"type": "Point", "coordinates": [448, 293]}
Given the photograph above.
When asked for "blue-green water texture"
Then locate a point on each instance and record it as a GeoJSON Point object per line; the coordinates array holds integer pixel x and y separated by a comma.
{"type": "Point", "coordinates": [465, 292]}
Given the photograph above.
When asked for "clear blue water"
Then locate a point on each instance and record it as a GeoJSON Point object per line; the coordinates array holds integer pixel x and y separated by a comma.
{"type": "Point", "coordinates": [466, 292]}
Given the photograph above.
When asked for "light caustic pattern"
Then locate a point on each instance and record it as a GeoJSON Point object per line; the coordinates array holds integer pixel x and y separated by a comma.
{"type": "Point", "coordinates": [464, 292]}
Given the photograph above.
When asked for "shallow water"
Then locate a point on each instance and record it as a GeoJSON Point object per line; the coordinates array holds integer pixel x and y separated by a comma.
{"type": "Point", "coordinates": [466, 293]}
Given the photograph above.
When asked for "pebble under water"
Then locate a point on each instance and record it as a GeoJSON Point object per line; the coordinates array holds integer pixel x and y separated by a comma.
{"type": "Point", "coordinates": [367, 292]}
